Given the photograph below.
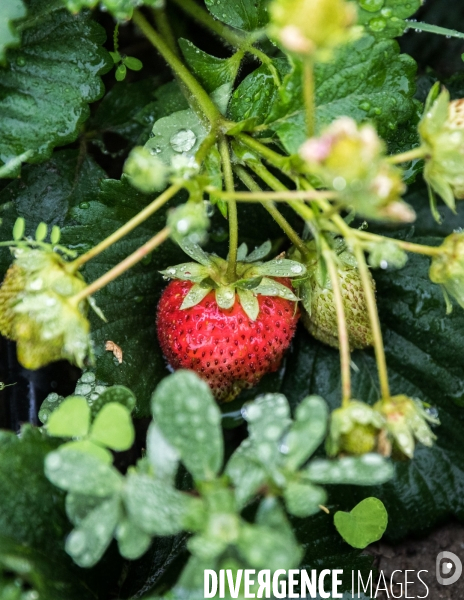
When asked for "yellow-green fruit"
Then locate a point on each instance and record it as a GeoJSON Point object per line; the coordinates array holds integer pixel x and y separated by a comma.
{"type": "Point", "coordinates": [360, 440]}
{"type": "Point", "coordinates": [321, 320]}
{"type": "Point", "coordinates": [12, 285]}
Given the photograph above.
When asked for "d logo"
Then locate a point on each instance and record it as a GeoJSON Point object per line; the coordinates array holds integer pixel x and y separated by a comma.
{"type": "Point", "coordinates": [445, 568]}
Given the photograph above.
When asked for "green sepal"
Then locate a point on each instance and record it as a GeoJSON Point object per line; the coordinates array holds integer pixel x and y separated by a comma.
{"type": "Point", "coordinates": [225, 296]}
{"type": "Point", "coordinates": [194, 296]}
{"type": "Point", "coordinates": [280, 267]}
{"type": "Point", "coordinates": [249, 303]}
{"type": "Point", "coordinates": [191, 271]}
{"type": "Point", "coordinates": [270, 287]}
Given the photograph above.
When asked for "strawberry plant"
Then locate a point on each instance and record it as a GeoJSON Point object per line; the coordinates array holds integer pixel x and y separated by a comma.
{"type": "Point", "coordinates": [232, 252]}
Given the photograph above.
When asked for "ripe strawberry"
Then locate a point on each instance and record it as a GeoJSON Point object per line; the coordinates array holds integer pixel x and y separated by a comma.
{"type": "Point", "coordinates": [231, 346]}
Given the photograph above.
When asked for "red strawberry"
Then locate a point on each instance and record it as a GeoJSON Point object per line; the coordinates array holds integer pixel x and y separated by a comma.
{"type": "Point", "coordinates": [225, 346]}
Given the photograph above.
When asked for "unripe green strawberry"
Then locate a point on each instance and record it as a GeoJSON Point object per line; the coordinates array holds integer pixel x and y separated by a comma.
{"type": "Point", "coordinates": [37, 310]}
{"type": "Point", "coordinates": [316, 292]}
{"type": "Point", "coordinates": [361, 439]}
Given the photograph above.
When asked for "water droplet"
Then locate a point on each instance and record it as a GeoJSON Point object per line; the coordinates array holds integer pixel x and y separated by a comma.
{"type": "Point", "coordinates": [377, 24]}
{"type": "Point", "coordinates": [432, 412]}
{"type": "Point", "coordinates": [100, 389]}
{"type": "Point", "coordinates": [88, 377]}
{"type": "Point", "coordinates": [386, 12]}
{"type": "Point", "coordinates": [183, 141]}
{"type": "Point", "coordinates": [365, 106]}
{"type": "Point", "coordinates": [371, 5]}
{"type": "Point", "coordinates": [146, 260]}
{"type": "Point", "coordinates": [155, 150]}
{"type": "Point", "coordinates": [20, 61]}
{"type": "Point", "coordinates": [377, 110]}
{"type": "Point", "coordinates": [83, 389]}
{"type": "Point", "coordinates": [339, 184]}
{"type": "Point", "coordinates": [383, 264]}
{"type": "Point", "coordinates": [84, 205]}
{"type": "Point", "coordinates": [296, 269]}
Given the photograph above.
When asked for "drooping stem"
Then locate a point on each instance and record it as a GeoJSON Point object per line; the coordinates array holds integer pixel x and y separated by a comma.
{"type": "Point", "coordinates": [275, 159]}
{"type": "Point", "coordinates": [199, 95]}
{"type": "Point", "coordinates": [418, 26]}
{"type": "Point", "coordinates": [309, 96]}
{"type": "Point", "coordinates": [396, 159]}
{"type": "Point", "coordinates": [123, 266]}
{"type": "Point", "coordinates": [231, 209]}
{"type": "Point", "coordinates": [374, 319]}
{"type": "Point", "coordinates": [343, 340]}
{"type": "Point", "coordinates": [408, 246]}
{"type": "Point", "coordinates": [283, 196]}
{"type": "Point", "coordinates": [164, 27]}
{"type": "Point", "coordinates": [278, 217]}
{"type": "Point", "coordinates": [126, 228]}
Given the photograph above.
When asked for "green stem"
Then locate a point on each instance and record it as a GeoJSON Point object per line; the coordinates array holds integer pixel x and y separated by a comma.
{"type": "Point", "coordinates": [231, 210]}
{"type": "Point", "coordinates": [126, 228]}
{"type": "Point", "coordinates": [417, 26]}
{"type": "Point", "coordinates": [309, 96]}
{"type": "Point", "coordinates": [278, 217]}
{"type": "Point", "coordinates": [123, 266]}
{"type": "Point", "coordinates": [164, 27]}
{"type": "Point", "coordinates": [374, 319]}
{"type": "Point", "coordinates": [115, 38]}
{"type": "Point", "coordinates": [201, 98]}
{"type": "Point", "coordinates": [275, 159]}
{"type": "Point", "coordinates": [343, 340]}
{"type": "Point", "coordinates": [408, 246]}
{"type": "Point", "coordinates": [419, 152]}
{"type": "Point", "coordinates": [284, 196]}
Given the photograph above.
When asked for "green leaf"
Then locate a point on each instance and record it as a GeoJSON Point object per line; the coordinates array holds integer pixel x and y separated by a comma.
{"type": "Point", "coordinates": [263, 547]}
{"type": "Point", "coordinates": [156, 507]}
{"type": "Point", "coordinates": [386, 19]}
{"type": "Point", "coordinates": [120, 73]}
{"type": "Point", "coordinates": [246, 472]}
{"type": "Point", "coordinates": [82, 473]}
{"type": "Point", "coordinates": [87, 543]}
{"type": "Point", "coordinates": [307, 431]}
{"type": "Point", "coordinates": [113, 427]}
{"type": "Point", "coordinates": [120, 9]}
{"type": "Point", "coordinates": [364, 525]}
{"type": "Point", "coordinates": [246, 14]}
{"type": "Point", "coordinates": [185, 398]}
{"type": "Point", "coordinates": [70, 419]}
{"type": "Point", "coordinates": [132, 541]}
{"type": "Point", "coordinates": [162, 456]}
{"type": "Point", "coordinates": [210, 71]}
{"type": "Point", "coordinates": [368, 469]}
{"type": "Point", "coordinates": [51, 80]}
{"type": "Point", "coordinates": [115, 394]}
{"type": "Point", "coordinates": [303, 499]}
{"type": "Point", "coordinates": [134, 64]}
{"type": "Point", "coordinates": [78, 506]}
{"type": "Point", "coordinates": [181, 133]}
{"type": "Point", "coordinates": [12, 10]}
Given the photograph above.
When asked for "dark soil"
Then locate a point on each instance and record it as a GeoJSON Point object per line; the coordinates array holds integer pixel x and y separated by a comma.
{"type": "Point", "coordinates": [417, 555]}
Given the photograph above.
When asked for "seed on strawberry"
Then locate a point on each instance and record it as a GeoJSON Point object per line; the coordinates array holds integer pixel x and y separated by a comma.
{"type": "Point", "coordinates": [231, 334]}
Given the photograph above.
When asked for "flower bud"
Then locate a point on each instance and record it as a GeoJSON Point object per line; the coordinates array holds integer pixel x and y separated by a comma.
{"type": "Point", "coordinates": [350, 160]}
{"type": "Point", "coordinates": [313, 26]}
{"type": "Point", "coordinates": [354, 429]}
{"type": "Point", "coordinates": [406, 420]}
{"type": "Point", "coordinates": [320, 314]}
{"type": "Point", "coordinates": [146, 172]}
{"type": "Point", "coordinates": [442, 134]}
{"type": "Point", "coordinates": [189, 221]}
{"type": "Point", "coordinates": [447, 268]}
{"type": "Point", "coordinates": [36, 309]}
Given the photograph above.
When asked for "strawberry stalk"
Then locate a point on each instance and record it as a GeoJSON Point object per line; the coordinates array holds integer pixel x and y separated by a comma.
{"type": "Point", "coordinates": [126, 228]}
{"type": "Point", "coordinates": [396, 159]}
{"type": "Point", "coordinates": [232, 210]}
{"type": "Point", "coordinates": [345, 357]}
{"type": "Point", "coordinates": [123, 266]}
{"type": "Point", "coordinates": [292, 235]}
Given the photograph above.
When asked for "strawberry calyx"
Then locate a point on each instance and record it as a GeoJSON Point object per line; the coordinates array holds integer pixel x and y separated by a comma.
{"type": "Point", "coordinates": [253, 277]}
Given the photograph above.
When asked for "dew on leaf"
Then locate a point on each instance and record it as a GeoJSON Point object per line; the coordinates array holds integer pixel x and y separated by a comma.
{"type": "Point", "coordinates": [183, 141]}
{"type": "Point", "coordinates": [365, 106]}
{"type": "Point", "coordinates": [84, 205]}
{"type": "Point", "coordinates": [371, 5]}
{"type": "Point", "coordinates": [386, 12]}
{"type": "Point", "coordinates": [20, 61]}
{"type": "Point", "coordinates": [377, 24]}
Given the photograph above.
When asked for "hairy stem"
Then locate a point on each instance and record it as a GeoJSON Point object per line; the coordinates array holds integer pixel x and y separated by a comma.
{"type": "Point", "coordinates": [126, 228]}
{"type": "Point", "coordinates": [283, 196]}
{"type": "Point", "coordinates": [345, 356]}
{"type": "Point", "coordinates": [374, 319]}
{"type": "Point", "coordinates": [275, 159]}
{"type": "Point", "coordinates": [199, 95]}
{"type": "Point", "coordinates": [123, 266]}
{"type": "Point", "coordinates": [164, 27]}
{"type": "Point", "coordinates": [417, 26]}
{"type": "Point", "coordinates": [309, 99]}
{"type": "Point", "coordinates": [408, 246]}
{"type": "Point", "coordinates": [231, 209]}
{"type": "Point", "coordinates": [419, 152]}
{"type": "Point", "coordinates": [292, 235]}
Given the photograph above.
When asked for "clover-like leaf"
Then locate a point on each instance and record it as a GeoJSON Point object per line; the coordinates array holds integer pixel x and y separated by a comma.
{"type": "Point", "coordinates": [132, 541]}
{"type": "Point", "coordinates": [113, 427]}
{"type": "Point", "coordinates": [115, 394]}
{"type": "Point", "coordinates": [307, 431]}
{"type": "Point", "coordinates": [163, 457]}
{"type": "Point", "coordinates": [364, 524]}
{"type": "Point", "coordinates": [302, 498]}
{"type": "Point", "coordinates": [82, 473]}
{"type": "Point", "coordinates": [246, 473]}
{"type": "Point", "coordinates": [184, 397]}
{"type": "Point", "coordinates": [78, 506]}
{"type": "Point", "coordinates": [88, 542]}
{"type": "Point", "coordinates": [70, 419]}
{"type": "Point", "coordinates": [156, 507]}
{"type": "Point", "coordinates": [89, 447]}
{"type": "Point", "coordinates": [386, 18]}
{"type": "Point", "coordinates": [369, 469]}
